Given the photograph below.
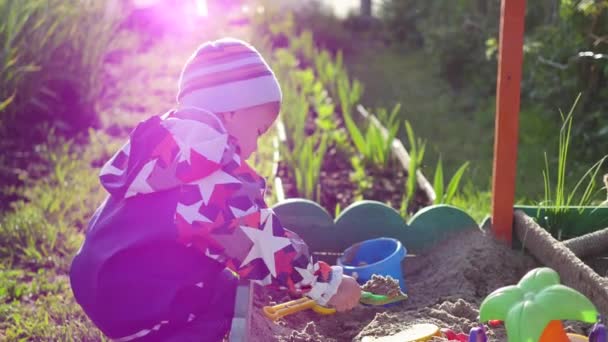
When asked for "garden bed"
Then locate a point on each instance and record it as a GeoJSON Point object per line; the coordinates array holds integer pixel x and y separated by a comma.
{"type": "Point", "coordinates": [336, 186]}
{"type": "Point", "coordinates": [445, 286]}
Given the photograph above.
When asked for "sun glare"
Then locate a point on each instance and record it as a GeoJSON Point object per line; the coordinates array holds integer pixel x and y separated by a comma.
{"type": "Point", "coordinates": [201, 8]}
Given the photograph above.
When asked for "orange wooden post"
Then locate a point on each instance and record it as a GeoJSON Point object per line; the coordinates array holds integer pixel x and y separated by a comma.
{"type": "Point", "coordinates": [510, 60]}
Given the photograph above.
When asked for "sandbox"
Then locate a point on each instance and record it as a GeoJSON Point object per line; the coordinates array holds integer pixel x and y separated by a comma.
{"type": "Point", "coordinates": [445, 286]}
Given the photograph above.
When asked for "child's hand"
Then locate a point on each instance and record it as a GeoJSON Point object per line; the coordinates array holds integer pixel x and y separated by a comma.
{"type": "Point", "coordinates": [348, 295]}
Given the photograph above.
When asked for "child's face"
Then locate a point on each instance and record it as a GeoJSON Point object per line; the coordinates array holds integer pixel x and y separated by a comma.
{"type": "Point", "coordinates": [248, 124]}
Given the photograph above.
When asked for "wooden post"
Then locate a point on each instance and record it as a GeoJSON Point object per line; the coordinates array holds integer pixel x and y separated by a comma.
{"type": "Point", "coordinates": [510, 60]}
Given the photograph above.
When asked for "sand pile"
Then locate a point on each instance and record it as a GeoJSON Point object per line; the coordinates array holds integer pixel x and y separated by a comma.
{"type": "Point", "coordinates": [445, 287]}
{"type": "Point", "coordinates": [387, 286]}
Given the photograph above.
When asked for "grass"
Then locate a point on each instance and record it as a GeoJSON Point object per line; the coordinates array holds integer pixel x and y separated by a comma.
{"type": "Point", "coordinates": [417, 148]}
{"type": "Point", "coordinates": [443, 194]}
{"type": "Point", "coordinates": [51, 71]}
{"type": "Point", "coordinates": [39, 236]}
{"type": "Point", "coordinates": [558, 196]}
{"type": "Point", "coordinates": [40, 306]}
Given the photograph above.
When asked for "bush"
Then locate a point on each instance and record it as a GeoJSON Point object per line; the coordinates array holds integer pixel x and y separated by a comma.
{"type": "Point", "coordinates": [52, 68]}
{"type": "Point", "coordinates": [565, 53]}
{"type": "Point", "coordinates": [51, 72]}
{"type": "Point", "coordinates": [568, 55]}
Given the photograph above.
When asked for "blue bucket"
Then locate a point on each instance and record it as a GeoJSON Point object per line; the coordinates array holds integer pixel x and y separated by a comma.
{"type": "Point", "coordinates": [380, 256]}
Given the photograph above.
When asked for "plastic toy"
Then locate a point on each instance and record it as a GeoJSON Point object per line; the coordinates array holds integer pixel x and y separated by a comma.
{"type": "Point", "coordinates": [452, 336]}
{"type": "Point", "coordinates": [478, 334]}
{"type": "Point", "coordinates": [533, 309]}
{"type": "Point", "coordinates": [494, 323]}
{"type": "Point", "coordinates": [415, 333]}
{"type": "Point", "coordinates": [280, 310]}
{"type": "Point", "coordinates": [598, 332]}
{"type": "Point", "coordinates": [381, 256]}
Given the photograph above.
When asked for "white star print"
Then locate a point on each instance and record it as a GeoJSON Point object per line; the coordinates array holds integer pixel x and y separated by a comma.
{"type": "Point", "coordinates": [265, 214]}
{"type": "Point", "coordinates": [207, 184]}
{"type": "Point", "coordinates": [266, 281]}
{"type": "Point", "coordinates": [109, 168]}
{"type": "Point", "coordinates": [240, 213]}
{"type": "Point", "coordinates": [211, 255]}
{"type": "Point", "coordinates": [265, 244]}
{"type": "Point", "coordinates": [193, 135]}
{"type": "Point", "coordinates": [140, 184]}
{"type": "Point", "coordinates": [191, 213]}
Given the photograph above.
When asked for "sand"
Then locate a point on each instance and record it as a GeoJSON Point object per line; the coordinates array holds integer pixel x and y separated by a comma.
{"type": "Point", "coordinates": [445, 287]}
{"type": "Point", "coordinates": [381, 285]}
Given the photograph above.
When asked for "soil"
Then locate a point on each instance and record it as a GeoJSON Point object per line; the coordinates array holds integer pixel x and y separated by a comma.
{"type": "Point", "coordinates": [599, 264]}
{"type": "Point", "coordinates": [445, 287]}
{"type": "Point", "coordinates": [381, 285]}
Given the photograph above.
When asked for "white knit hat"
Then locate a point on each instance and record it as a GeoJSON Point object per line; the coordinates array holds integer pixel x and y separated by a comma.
{"type": "Point", "coordinates": [226, 75]}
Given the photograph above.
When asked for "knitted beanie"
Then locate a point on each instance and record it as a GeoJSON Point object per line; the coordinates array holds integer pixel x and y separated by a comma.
{"type": "Point", "coordinates": [226, 75]}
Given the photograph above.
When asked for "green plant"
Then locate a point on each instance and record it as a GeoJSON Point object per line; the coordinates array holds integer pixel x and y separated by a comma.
{"type": "Point", "coordinates": [473, 201]}
{"type": "Point", "coordinates": [47, 48]}
{"type": "Point", "coordinates": [360, 176]}
{"type": "Point", "coordinates": [390, 119]}
{"type": "Point", "coordinates": [378, 152]}
{"type": "Point", "coordinates": [557, 196]}
{"type": "Point", "coordinates": [373, 145]}
{"type": "Point", "coordinates": [40, 306]}
{"type": "Point", "coordinates": [453, 185]}
{"type": "Point", "coordinates": [533, 309]}
{"type": "Point", "coordinates": [305, 161]}
{"type": "Point", "coordinates": [337, 210]}
{"type": "Point", "coordinates": [330, 71]}
{"type": "Point", "coordinates": [40, 230]}
{"type": "Point", "coordinates": [294, 114]}
{"type": "Point", "coordinates": [417, 149]}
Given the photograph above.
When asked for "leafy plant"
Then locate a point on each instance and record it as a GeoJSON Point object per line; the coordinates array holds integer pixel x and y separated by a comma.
{"type": "Point", "coordinates": [417, 149]}
{"type": "Point", "coordinates": [557, 196]}
{"type": "Point", "coordinates": [295, 106]}
{"type": "Point", "coordinates": [379, 144]}
{"type": "Point", "coordinates": [337, 210]}
{"type": "Point", "coordinates": [47, 47]}
{"type": "Point", "coordinates": [330, 71]}
{"type": "Point", "coordinates": [370, 142]}
{"type": "Point", "coordinates": [305, 162]}
{"type": "Point", "coordinates": [389, 120]}
{"type": "Point", "coordinates": [453, 185]}
{"type": "Point", "coordinates": [304, 151]}
{"type": "Point", "coordinates": [360, 176]}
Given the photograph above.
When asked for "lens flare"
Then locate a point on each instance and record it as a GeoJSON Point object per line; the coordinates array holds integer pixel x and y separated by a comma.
{"type": "Point", "coordinates": [201, 8]}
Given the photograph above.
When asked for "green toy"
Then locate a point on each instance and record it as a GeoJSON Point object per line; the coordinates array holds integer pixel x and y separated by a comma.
{"type": "Point", "coordinates": [534, 308]}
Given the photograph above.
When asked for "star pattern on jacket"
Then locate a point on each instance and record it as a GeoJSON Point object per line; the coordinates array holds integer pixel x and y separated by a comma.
{"type": "Point", "coordinates": [220, 207]}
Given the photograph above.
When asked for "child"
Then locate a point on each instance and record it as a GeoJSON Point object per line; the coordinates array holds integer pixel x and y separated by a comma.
{"type": "Point", "coordinates": [185, 211]}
